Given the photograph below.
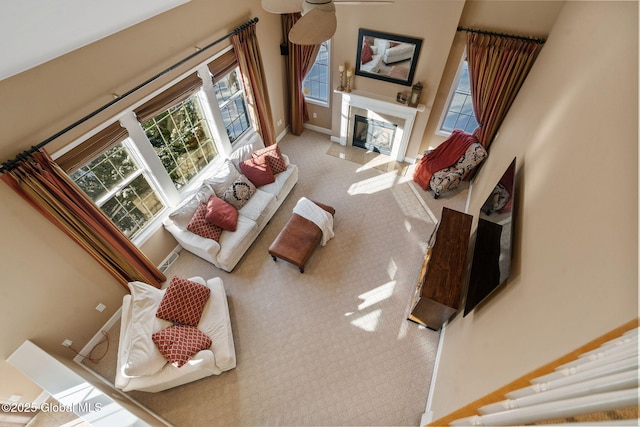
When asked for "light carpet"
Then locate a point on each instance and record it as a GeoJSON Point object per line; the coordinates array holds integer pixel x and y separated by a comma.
{"type": "Point", "coordinates": [331, 346]}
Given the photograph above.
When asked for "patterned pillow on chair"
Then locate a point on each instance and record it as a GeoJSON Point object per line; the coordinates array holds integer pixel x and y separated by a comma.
{"type": "Point", "coordinates": [445, 180]}
{"type": "Point", "coordinates": [471, 158]}
{"type": "Point", "coordinates": [179, 343]}
{"type": "Point", "coordinates": [183, 302]}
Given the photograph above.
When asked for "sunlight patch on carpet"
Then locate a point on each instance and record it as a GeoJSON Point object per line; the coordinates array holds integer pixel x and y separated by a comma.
{"type": "Point", "coordinates": [377, 295]}
{"type": "Point", "coordinates": [374, 184]}
{"type": "Point", "coordinates": [369, 321]}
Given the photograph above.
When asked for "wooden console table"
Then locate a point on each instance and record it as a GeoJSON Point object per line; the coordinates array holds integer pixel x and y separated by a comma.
{"type": "Point", "coordinates": [439, 288]}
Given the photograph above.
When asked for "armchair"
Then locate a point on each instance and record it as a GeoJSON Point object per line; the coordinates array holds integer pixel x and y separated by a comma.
{"type": "Point", "coordinates": [141, 366]}
{"type": "Point", "coordinates": [443, 168]}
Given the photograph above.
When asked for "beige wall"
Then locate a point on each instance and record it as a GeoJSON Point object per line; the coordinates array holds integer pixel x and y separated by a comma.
{"type": "Point", "coordinates": [50, 286]}
{"type": "Point", "coordinates": [433, 21]}
{"type": "Point", "coordinates": [574, 130]}
{"type": "Point", "coordinates": [529, 18]}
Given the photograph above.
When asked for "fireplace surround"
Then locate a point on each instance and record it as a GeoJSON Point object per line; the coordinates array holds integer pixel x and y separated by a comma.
{"type": "Point", "coordinates": [383, 112]}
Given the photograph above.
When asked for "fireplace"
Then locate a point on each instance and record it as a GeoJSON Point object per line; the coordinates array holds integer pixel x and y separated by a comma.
{"type": "Point", "coordinates": [374, 135]}
{"type": "Point", "coordinates": [377, 123]}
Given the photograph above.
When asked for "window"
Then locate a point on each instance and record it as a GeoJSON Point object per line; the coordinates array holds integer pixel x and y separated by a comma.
{"type": "Point", "coordinates": [231, 102]}
{"type": "Point", "coordinates": [182, 140]}
{"type": "Point", "coordinates": [117, 185]}
{"type": "Point", "coordinates": [459, 112]}
{"type": "Point", "coordinates": [315, 85]}
{"type": "Point", "coordinates": [118, 168]}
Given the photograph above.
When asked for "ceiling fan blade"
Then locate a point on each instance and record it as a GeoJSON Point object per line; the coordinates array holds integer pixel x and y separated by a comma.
{"type": "Point", "coordinates": [282, 6]}
{"type": "Point", "coordinates": [314, 27]}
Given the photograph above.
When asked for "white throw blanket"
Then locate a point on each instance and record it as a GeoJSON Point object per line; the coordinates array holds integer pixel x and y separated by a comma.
{"type": "Point", "coordinates": [314, 213]}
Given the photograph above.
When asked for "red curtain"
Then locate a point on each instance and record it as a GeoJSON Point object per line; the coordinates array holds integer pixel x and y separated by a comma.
{"type": "Point", "coordinates": [498, 65]}
{"type": "Point", "coordinates": [46, 187]}
{"type": "Point", "coordinates": [299, 63]}
{"type": "Point", "coordinates": [245, 44]}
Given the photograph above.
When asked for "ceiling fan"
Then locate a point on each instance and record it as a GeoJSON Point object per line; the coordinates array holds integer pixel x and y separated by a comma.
{"type": "Point", "coordinates": [318, 22]}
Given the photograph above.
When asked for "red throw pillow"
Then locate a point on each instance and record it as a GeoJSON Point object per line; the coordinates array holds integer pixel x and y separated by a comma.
{"type": "Point", "coordinates": [274, 157]}
{"type": "Point", "coordinates": [258, 171]}
{"type": "Point", "coordinates": [221, 214]}
{"type": "Point", "coordinates": [200, 226]}
{"type": "Point", "coordinates": [179, 343]}
{"type": "Point", "coordinates": [183, 302]}
{"type": "Point", "coordinates": [367, 54]}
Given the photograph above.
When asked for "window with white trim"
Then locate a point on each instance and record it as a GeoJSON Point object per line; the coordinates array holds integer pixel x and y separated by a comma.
{"type": "Point", "coordinates": [231, 101]}
{"type": "Point", "coordinates": [121, 179]}
{"type": "Point", "coordinates": [120, 188]}
{"type": "Point", "coordinates": [315, 85]}
{"type": "Point", "coordinates": [182, 140]}
{"type": "Point", "coordinates": [459, 112]}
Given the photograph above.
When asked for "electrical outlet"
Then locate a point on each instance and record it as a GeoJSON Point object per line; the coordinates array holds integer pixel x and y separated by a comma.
{"type": "Point", "coordinates": [67, 343]}
{"type": "Point", "coordinates": [279, 122]}
{"type": "Point", "coordinates": [315, 115]}
{"type": "Point", "coordinates": [100, 307]}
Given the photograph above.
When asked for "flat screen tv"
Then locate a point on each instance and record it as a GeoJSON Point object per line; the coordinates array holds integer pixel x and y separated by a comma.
{"type": "Point", "coordinates": [491, 262]}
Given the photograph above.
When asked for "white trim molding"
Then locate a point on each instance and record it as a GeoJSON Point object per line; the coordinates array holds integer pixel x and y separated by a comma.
{"type": "Point", "coordinates": [381, 105]}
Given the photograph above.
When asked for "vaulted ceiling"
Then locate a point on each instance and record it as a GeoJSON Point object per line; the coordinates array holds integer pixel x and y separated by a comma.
{"type": "Point", "coordinates": [34, 31]}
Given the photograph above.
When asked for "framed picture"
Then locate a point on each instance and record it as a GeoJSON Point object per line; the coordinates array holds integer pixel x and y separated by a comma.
{"type": "Point", "coordinates": [387, 57]}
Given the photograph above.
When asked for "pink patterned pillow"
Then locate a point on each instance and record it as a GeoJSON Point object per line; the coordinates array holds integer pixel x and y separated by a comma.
{"type": "Point", "coordinates": [274, 157]}
{"type": "Point", "coordinates": [200, 226]}
{"type": "Point", "coordinates": [183, 302]}
{"type": "Point", "coordinates": [179, 343]}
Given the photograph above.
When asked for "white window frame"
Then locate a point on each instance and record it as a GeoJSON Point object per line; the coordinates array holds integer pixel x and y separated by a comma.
{"type": "Point", "coordinates": [317, 101]}
{"type": "Point", "coordinates": [149, 163]}
{"type": "Point", "coordinates": [156, 222]}
{"type": "Point", "coordinates": [239, 93]}
{"type": "Point", "coordinates": [452, 90]}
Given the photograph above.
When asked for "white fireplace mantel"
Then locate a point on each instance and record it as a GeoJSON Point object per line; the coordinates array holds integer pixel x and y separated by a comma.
{"type": "Point", "coordinates": [383, 105]}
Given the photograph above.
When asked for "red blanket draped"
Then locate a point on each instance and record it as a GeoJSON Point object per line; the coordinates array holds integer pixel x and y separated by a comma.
{"type": "Point", "coordinates": [445, 155]}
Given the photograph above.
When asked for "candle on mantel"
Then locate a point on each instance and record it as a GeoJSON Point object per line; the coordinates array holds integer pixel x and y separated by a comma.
{"type": "Point", "coordinates": [341, 68]}
{"type": "Point", "coordinates": [349, 72]}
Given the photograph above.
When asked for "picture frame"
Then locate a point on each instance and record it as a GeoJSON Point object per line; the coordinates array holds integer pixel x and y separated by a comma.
{"type": "Point", "coordinates": [388, 57]}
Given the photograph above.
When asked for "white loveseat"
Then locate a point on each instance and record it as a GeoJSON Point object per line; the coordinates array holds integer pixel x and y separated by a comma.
{"type": "Point", "coordinates": [141, 366]}
{"type": "Point", "coordinates": [397, 53]}
{"type": "Point", "coordinates": [252, 217]}
{"type": "Point", "coordinates": [385, 52]}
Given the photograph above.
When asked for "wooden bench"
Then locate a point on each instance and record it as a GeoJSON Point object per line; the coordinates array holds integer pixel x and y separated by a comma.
{"type": "Point", "coordinates": [298, 239]}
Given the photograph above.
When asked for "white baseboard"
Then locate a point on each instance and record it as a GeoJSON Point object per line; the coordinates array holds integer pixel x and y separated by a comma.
{"type": "Point", "coordinates": [427, 417]}
{"type": "Point", "coordinates": [284, 132]}
{"type": "Point", "coordinates": [336, 139]}
{"type": "Point", "coordinates": [99, 336]}
{"type": "Point", "coordinates": [409, 160]}
{"type": "Point", "coordinates": [317, 128]}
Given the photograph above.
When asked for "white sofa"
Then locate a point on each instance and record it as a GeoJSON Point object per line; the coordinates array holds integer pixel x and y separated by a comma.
{"type": "Point", "coordinates": [400, 52]}
{"type": "Point", "coordinates": [252, 218]}
{"type": "Point", "coordinates": [383, 53]}
{"type": "Point", "coordinates": [141, 366]}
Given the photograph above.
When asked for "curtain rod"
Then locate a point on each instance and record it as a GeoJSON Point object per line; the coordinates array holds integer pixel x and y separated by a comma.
{"type": "Point", "coordinates": [490, 33]}
{"type": "Point", "coordinates": [9, 164]}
